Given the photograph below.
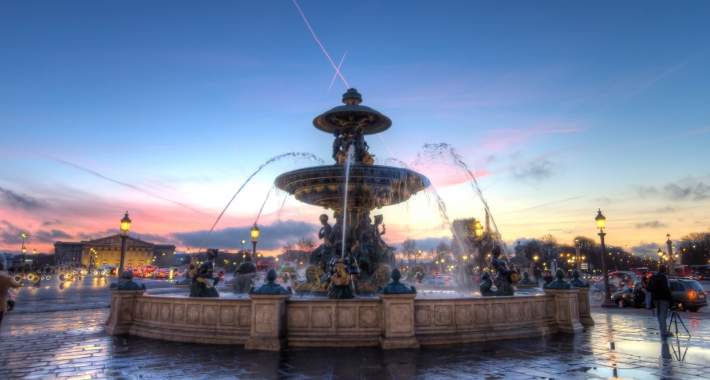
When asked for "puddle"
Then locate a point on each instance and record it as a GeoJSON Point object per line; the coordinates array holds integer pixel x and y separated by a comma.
{"type": "Point", "coordinates": [676, 349]}
{"type": "Point", "coordinates": [621, 373]}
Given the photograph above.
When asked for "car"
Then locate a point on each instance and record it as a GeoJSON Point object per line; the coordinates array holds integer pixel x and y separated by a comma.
{"type": "Point", "coordinates": [618, 280]}
{"type": "Point", "coordinates": [700, 273]}
{"type": "Point", "coordinates": [686, 295]}
{"type": "Point", "coordinates": [439, 280]}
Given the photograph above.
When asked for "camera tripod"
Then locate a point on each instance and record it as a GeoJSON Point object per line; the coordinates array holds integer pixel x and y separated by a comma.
{"type": "Point", "coordinates": [675, 318]}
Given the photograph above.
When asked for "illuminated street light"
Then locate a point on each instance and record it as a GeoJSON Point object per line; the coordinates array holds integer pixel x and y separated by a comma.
{"type": "Point", "coordinates": [601, 224]}
{"type": "Point", "coordinates": [254, 238]}
{"type": "Point", "coordinates": [671, 259]}
{"type": "Point", "coordinates": [125, 226]}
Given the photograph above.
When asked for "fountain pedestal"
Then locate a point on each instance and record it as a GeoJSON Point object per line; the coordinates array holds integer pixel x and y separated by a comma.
{"type": "Point", "coordinates": [398, 317]}
{"type": "Point", "coordinates": [268, 327]}
{"type": "Point", "coordinates": [122, 304]}
{"type": "Point", "coordinates": [566, 306]}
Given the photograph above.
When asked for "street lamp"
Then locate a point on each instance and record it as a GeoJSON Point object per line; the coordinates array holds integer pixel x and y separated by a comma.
{"type": "Point", "coordinates": [125, 226]}
{"type": "Point", "coordinates": [243, 241]}
{"type": "Point", "coordinates": [24, 236]}
{"type": "Point", "coordinates": [254, 238]}
{"type": "Point", "coordinates": [671, 259]}
{"type": "Point", "coordinates": [478, 229]}
{"type": "Point", "coordinates": [577, 248]}
{"type": "Point", "coordinates": [601, 224]}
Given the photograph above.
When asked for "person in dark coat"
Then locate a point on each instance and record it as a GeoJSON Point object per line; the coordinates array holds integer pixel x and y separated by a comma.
{"type": "Point", "coordinates": [660, 288]}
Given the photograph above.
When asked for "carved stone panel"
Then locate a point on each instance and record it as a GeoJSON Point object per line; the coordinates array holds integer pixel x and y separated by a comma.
{"type": "Point", "coordinates": [179, 313]}
{"type": "Point", "coordinates": [165, 312]}
{"type": "Point", "coordinates": [145, 311]}
{"type": "Point", "coordinates": [369, 317]}
{"type": "Point", "coordinates": [345, 317]}
{"type": "Point", "coordinates": [126, 306]}
{"type": "Point", "coordinates": [540, 310]}
{"type": "Point", "coordinates": [527, 311]}
{"type": "Point", "coordinates": [481, 311]}
{"type": "Point", "coordinates": [422, 315]}
{"type": "Point", "coordinates": [227, 316]}
{"type": "Point", "coordinates": [549, 309]}
{"type": "Point", "coordinates": [298, 317]}
{"type": "Point", "coordinates": [154, 311]}
{"type": "Point", "coordinates": [513, 312]}
{"type": "Point", "coordinates": [464, 316]}
{"type": "Point", "coordinates": [266, 318]}
{"type": "Point", "coordinates": [499, 312]}
{"type": "Point", "coordinates": [193, 314]}
{"type": "Point", "coordinates": [442, 315]}
{"type": "Point", "coordinates": [245, 316]}
{"type": "Point", "coordinates": [209, 315]}
{"type": "Point", "coordinates": [322, 317]}
{"type": "Point", "coordinates": [401, 318]}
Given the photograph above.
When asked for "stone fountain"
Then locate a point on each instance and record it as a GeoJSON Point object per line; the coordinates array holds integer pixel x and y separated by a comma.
{"type": "Point", "coordinates": [357, 261]}
{"type": "Point", "coordinates": [366, 187]}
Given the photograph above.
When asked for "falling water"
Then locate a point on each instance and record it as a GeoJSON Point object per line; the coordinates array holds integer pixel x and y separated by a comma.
{"type": "Point", "coordinates": [444, 216]}
{"type": "Point", "coordinates": [296, 155]}
{"type": "Point", "coordinates": [435, 151]}
{"type": "Point", "coordinates": [349, 160]}
{"type": "Point", "coordinates": [263, 204]}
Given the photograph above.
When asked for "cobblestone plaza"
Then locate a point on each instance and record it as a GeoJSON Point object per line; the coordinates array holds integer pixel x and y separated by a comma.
{"type": "Point", "coordinates": [624, 343]}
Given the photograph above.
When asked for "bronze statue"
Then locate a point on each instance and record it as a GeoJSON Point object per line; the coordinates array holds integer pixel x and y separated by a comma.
{"type": "Point", "coordinates": [244, 275]}
{"type": "Point", "coordinates": [200, 287]}
{"type": "Point", "coordinates": [486, 285]}
{"type": "Point", "coordinates": [324, 234]}
{"type": "Point", "coordinates": [366, 251]}
{"type": "Point", "coordinates": [502, 281]}
{"type": "Point", "coordinates": [343, 273]}
{"type": "Point", "coordinates": [337, 145]}
{"type": "Point", "coordinates": [387, 251]}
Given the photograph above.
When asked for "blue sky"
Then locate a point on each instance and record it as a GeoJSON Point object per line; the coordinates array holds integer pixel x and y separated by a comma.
{"type": "Point", "coordinates": [571, 105]}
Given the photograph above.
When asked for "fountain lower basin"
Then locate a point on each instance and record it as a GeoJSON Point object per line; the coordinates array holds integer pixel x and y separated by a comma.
{"type": "Point", "coordinates": [391, 321]}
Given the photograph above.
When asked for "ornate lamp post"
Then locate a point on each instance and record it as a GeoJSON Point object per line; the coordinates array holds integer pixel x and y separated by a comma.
{"type": "Point", "coordinates": [243, 241]}
{"type": "Point", "coordinates": [601, 224]}
{"type": "Point", "coordinates": [125, 226]}
{"type": "Point", "coordinates": [579, 262]}
{"type": "Point", "coordinates": [22, 264]}
{"type": "Point", "coordinates": [254, 238]}
{"type": "Point", "coordinates": [478, 229]}
{"type": "Point", "coordinates": [671, 256]}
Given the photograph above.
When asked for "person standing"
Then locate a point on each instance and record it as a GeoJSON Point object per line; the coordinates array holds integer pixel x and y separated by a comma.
{"type": "Point", "coordinates": [6, 283]}
{"type": "Point", "coordinates": [660, 288]}
{"type": "Point", "coordinates": [644, 287]}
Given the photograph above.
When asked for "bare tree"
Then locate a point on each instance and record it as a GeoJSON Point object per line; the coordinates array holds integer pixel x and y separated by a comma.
{"type": "Point", "coordinates": [409, 247]}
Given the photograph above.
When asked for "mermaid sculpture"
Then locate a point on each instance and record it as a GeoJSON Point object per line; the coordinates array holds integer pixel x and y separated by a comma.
{"type": "Point", "coordinates": [502, 280]}
{"type": "Point", "coordinates": [200, 287]}
{"type": "Point", "coordinates": [324, 233]}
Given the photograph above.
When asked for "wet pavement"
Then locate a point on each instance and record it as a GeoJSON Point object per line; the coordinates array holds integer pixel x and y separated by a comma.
{"type": "Point", "coordinates": [624, 343]}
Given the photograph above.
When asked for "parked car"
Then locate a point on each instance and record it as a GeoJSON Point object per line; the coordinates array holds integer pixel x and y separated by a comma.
{"type": "Point", "coordinates": [700, 272]}
{"type": "Point", "coordinates": [439, 280]}
{"type": "Point", "coordinates": [618, 280]}
{"type": "Point", "coordinates": [686, 294]}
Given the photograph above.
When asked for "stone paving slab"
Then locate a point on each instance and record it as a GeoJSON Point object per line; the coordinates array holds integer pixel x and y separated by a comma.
{"type": "Point", "coordinates": [73, 344]}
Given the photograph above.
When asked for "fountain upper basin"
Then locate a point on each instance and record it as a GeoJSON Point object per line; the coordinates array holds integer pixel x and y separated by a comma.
{"type": "Point", "coordinates": [369, 186]}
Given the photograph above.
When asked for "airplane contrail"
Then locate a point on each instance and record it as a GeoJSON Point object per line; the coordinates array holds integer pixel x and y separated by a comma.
{"type": "Point", "coordinates": [336, 73]}
{"type": "Point", "coordinates": [123, 184]}
{"type": "Point", "coordinates": [320, 44]}
{"type": "Point", "coordinates": [546, 204]}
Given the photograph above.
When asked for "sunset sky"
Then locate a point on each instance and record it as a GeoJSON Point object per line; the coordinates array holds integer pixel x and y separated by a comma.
{"type": "Point", "coordinates": [165, 108]}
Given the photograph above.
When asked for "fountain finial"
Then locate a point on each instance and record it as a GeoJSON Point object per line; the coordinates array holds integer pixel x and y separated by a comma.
{"type": "Point", "coordinates": [352, 97]}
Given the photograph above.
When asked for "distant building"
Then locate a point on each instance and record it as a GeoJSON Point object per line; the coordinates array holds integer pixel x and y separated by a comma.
{"type": "Point", "coordinates": [107, 251]}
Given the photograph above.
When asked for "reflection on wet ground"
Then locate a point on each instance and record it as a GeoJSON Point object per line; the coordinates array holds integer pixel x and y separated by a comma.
{"type": "Point", "coordinates": [624, 343]}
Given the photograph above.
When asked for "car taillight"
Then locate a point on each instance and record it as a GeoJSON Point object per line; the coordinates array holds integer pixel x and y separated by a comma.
{"type": "Point", "coordinates": [447, 284]}
{"type": "Point", "coordinates": [692, 294]}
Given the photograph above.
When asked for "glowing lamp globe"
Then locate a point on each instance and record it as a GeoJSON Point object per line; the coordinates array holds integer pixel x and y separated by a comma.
{"type": "Point", "coordinates": [254, 233]}
{"type": "Point", "coordinates": [125, 224]}
{"type": "Point", "coordinates": [601, 220]}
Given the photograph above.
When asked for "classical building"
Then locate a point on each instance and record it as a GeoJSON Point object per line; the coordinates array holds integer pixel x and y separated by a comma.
{"type": "Point", "coordinates": [107, 250]}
